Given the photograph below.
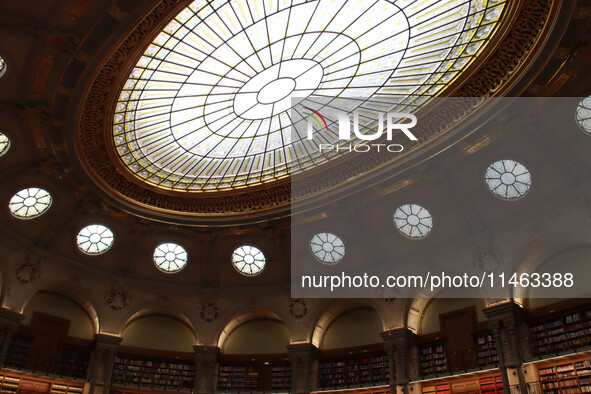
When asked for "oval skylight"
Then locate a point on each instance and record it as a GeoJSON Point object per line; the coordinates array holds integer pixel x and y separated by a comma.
{"type": "Point", "coordinates": [248, 260]}
{"type": "Point", "coordinates": [413, 221]}
{"type": "Point", "coordinates": [94, 239]}
{"type": "Point", "coordinates": [508, 179]}
{"type": "Point", "coordinates": [30, 203]}
{"type": "Point", "coordinates": [4, 144]}
{"type": "Point", "coordinates": [327, 248]}
{"type": "Point", "coordinates": [170, 257]}
{"type": "Point", "coordinates": [206, 106]}
{"type": "Point", "coordinates": [2, 66]}
{"type": "Point", "coordinates": [583, 115]}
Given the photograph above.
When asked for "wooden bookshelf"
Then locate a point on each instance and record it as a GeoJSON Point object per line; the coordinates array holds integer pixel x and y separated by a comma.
{"type": "Point", "coordinates": [491, 385]}
{"type": "Point", "coordinates": [171, 373]}
{"type": "Point", "coordinates": [281, 377]}
{"type": "Point", "coordinates": [238, 377]}
{"type": "Point", "coordinates": [561, 332]}
{"type": "Point", "coordinates": [566, 377]}
{"type": "Point", "coordinates": [433, 359]}
{"type": "Point", "coordinates": [73, 360]}
{"type": "Point", "coordinates": [443, 388]}
{"type": "Point", "coordinates": [18, 350]}
{"type": "Point", "coordinates": [16, 383]}
{"type": "Point", "coordinates": [486, 350]}
{"type": "Point", "coordinates": [353, 368]}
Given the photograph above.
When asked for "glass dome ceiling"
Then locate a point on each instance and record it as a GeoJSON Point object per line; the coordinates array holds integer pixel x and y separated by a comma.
{"type": "Point", "coordinates": [206, 107]}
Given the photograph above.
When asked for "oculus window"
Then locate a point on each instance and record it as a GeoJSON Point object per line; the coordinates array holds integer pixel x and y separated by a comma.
{"type": "Point", "coordinates": [207, 106]}
{"type": "Point", "coordinates": [94, 239]}
{"type": "Point", "coordinates": [327, 248]}
{"type": "Point", "coordinates": [30, 203]}
{"type": "Point", "coordinates": [248, 260]}
{"type": "Point", "coordinates": [170, 257]}
{"type": "Point", "coordinates": [413, 221]}
{"type": "Point", "coordinates": [583, 115]}
{"type": "Point", "coordinates": [4, 144]}
{"type": "Point", "coordinates": [2, 66]}
{"type": "Point", "coordinates": [508, 179]}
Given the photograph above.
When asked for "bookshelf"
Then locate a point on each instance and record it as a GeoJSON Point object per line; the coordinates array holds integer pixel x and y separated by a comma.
{"type": "Point", "coordinates": [236, 377]}
{"type": "Point", "coordinates": [566, 377]}
{"type": "Point", "coordinates": [171, 374]}
{"type": "Point", "coordinates": [18, 350]}
{"type": "Point", "coordinates": [73, 361]}
{"type": "Point", "coordinates": [281, 377]}
{"type": "Point", "coordinates": [562, 332]}
{"type": "Point", "coordinates": [486, 350]}
{"type": "Point", "coordinates": [491, 385]}
{"type": "Point", "coordinates": [15, 384]}
{"type": "Point", "coordinates": [444, 388]}
{"type": "Point", "coordinates": [354, 371]}
{"type": "Point", "coordinates": [433, 359]}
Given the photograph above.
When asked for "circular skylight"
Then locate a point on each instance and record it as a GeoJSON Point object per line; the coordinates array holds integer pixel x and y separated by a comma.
{"type": "Point", "coordinates": [2, 67]}
{"type": "Point", "coordinates": [4, 144]}
{"type": "Point", "coordinates": [584, 115]}
{"type": "Point", "coordinates": [94, 239]}
{"type": "Point", "coordinates": [207, 106]}
{"type": "Point", "coordinates": [413, 221]}
{"type": "Point", "coordinates": [30, 203]}
{"type": "Point", "coordinates": [170, 258]}
{"type": "Point", "coordinates": [248, 260]}
{"type": "Point", "coordinates": [508, 179]}
{"type": "Point", "coordinates": [327, 248]}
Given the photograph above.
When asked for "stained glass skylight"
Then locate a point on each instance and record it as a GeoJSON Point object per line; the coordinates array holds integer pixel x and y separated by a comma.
{"type": "Point", "coordinates": [508, 179]}
{"type": "Point", "coordinates": [583, 115]}
{"type": "Point", "coordinates": [207, 106]}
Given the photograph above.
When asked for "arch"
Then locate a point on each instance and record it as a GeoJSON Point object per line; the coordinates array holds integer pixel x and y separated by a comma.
{"type": "Point", "coordinates": [418, 305]}
{"type": "Point", "coordinates": [163, 309]}
{"type": "Point", "coordinates": [334, 310]}
{"type": "Point", "coordinates": [243, 317]}
{"type": "Point", "coordinates": [80, 296]}
{"type": "Point", "coordinates": [539, 251]}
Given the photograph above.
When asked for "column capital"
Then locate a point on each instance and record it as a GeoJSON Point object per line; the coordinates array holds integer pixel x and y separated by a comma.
{"type": "Point", "coordinates": [107, 340]}
{"type": "Point", "coordinates": [303, 350]}
{"type": "Point", "coordinates": [506, 314]}
{"type": "Point", "coordinates": [399, 337]}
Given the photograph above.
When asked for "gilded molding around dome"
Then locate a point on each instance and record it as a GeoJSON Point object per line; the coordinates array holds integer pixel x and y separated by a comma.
{"type": "Point", "coordinates": [499, 68]}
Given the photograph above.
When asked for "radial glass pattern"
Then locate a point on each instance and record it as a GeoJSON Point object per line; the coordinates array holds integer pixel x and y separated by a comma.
{"type": "Point", "coordinates": [29, 203]}
{"type": "Point", "coordinates": [170, 258]}
{"type": "Point", "coordinates": [413, 221]}
{"type": "Point", "coordinates": [583, 115]}
{"type": "Point", "coordinates": [327, 248]}
{"type": "Point", "coordinates": [94, 239]}
{"type": "Point", "coordinates": [207, 105]}
{"type": "Point", "coordinates": [248, 260]}
{"type": "Point", "coordinates": [2, 67]}
{"type": "Point", "coordinates": [508, 179]}
{"type": "Point", "coordinates": [4, 144]}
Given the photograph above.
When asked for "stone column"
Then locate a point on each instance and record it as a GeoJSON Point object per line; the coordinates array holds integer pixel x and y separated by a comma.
{"type": "Point", "coordinates": [206, 361]}
{"type": "Point", "coordinates": [503, 320]}
{"type": "Point", "coordinates": [9, 323]}
{"type": "Point", "coordinates": [102, 360]}
{"type": "Point", "coordinates": [398, 344]}
{"type": "Point", "coordinates": [302, 356]}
